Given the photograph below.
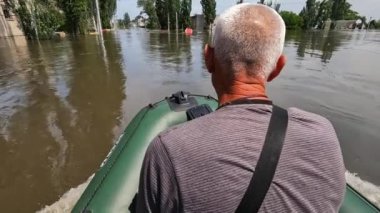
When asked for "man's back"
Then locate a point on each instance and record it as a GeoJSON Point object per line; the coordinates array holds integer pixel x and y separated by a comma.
{"type": "Point", "coordinates": [206, 165]}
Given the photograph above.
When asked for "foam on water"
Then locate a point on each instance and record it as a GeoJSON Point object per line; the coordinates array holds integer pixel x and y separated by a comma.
{"type": "Point", "coordinates": [66, 203]}
{"type": "Point", "coordinates": [369, 190]}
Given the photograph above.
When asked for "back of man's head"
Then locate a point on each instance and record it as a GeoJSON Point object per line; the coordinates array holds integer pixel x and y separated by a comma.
{"type": "Point", "coordinates": [249, 37]}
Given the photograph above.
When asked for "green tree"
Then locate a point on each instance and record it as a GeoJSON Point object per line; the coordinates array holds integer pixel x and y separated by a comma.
{"type": "Point", "coordinates": [338, 9]}
{"type": "Point", "coordinates": [374, 24]}
{"type": "Point", "coordinates": [276, 6]}
{"type": "Point", "coordinates": [126, 20]}
{"type": "Point", "coordinates": [309, 13]}
{"type": "Point", "coordinates": [141, 3]}
{"type": "Point", "coordinates": [120, 23]}
{"type": "Point", "coordinates": [149, 8]}
{"type": "Point", "coordinates": [341, 10]}
{"type": "Point", "coordinates": [324, 13]}
{"type": "Point", "coordinates": [173, 10]}
{"type": "Point", "coordinates": [377, 24]}
{"type": "Point", "coordinates": [162, 13]}
{"type": "Point", "coordinates": [39, 19]}
{"type": "Point", "coordinates": [350, 14]}
{"type": "Point", "coordinates": [315, 13]}
{"type": "Point", "coordinates": [209, 11]}
{"type": "Point", "coordinates": [77, 14]}
{"type": "Point", "coordinates": [107, 11]}
{"type": "Point", "coordinates": [239, 1]}
{"type": "Point", "coordinates": [292, 20]}
{"type": "Point", "coordinates": [167, 10]}
{"type": "Point", "coordinates": [185, 11]}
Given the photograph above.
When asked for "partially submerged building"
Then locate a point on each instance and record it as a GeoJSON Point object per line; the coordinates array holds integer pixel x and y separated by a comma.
{"type": "Point", "coordinates": [347, 24]}
{"type": "Point", "coordinates": [198, 22]}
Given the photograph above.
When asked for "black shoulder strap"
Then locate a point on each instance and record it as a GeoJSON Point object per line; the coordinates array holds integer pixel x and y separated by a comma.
{"type": "Point", "coordinates": [267, 163]}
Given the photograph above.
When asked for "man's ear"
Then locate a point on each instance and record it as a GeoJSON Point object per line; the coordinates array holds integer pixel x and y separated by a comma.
{"type": "Point", "coordinates": [279, 66]}
{"type": "Point", "coordinates": [209, 58]}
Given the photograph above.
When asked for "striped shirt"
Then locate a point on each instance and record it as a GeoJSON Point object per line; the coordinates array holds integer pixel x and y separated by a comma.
{"type": "Point", "coordinates": [205, 165]}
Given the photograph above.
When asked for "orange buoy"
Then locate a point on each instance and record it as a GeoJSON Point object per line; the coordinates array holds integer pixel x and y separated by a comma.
{"type": "Point", "coordinates": [188, 31]}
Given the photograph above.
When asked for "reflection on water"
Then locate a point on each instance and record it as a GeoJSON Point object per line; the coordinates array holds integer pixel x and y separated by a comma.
{"type": "Point", "coordinates": [334, 74]}
{"type": "Point", "coordinates": [319, 44]}
{"type": "Point", "coordinates": [61, 107]}
{"type": "Point", "coordinates": [62, 103]}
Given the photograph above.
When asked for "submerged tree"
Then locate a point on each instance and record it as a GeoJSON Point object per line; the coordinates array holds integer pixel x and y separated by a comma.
{"type": "Point", "coordinates": [38, 19]}
{"type": "Point", "coordinates": [149, 8]}
{"type": "Point", "coordinates": [338, 9]}
{"type": "Point", "coordinates": [350, 14]}
{"type": "Point", "coordinates": [324, 13]}
{"type": "Point", "coordinates": [309, 14]}
{"type": "Point", "coordinates": [292, 20]}
{"type": "Point", "coordinates": [107, 11]}
{"type": "Point", "coordinates": [185, 11]}
{"type": "Point", "coordinates": [315, 13]}
{"type": "Point", "coordinates": [174, 12]}
{"type": "Point", "coordinates": [374, 24]}
{"type": "Point", "coordinates": [161, 11]}
{"type": "Point", "coordinates": [209, 11]}
{"type": "Point", "coordinates": [164, 14]}
{"type": "Point", "coordinates": [341, 10]}
{"type": "Point", "coordinates": [170, 11]}
{"type": "Point", "coordinates": [126, 20]}
{"type": "Point", "coordinates": [77, 13]}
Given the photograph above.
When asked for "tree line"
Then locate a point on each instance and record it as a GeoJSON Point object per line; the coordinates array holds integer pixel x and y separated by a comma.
{"type": "Point", "coordinates": [163, 14]}
{"type": "Point", "coordinates": [315, 14]}
{"type": "Point", "coordinates": [125, 22]}
{"type": "Point", "coordinates": [39, 19]}
{"type": "Point", "coordinates": [166, 14]}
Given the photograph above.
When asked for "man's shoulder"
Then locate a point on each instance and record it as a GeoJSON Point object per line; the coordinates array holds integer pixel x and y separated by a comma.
{"type": "Point", "coordinates": [197, 126]}
{"type": "Point", "coordinates": [309, 118]}
{"type": "Point", "coordinates": [186, 130]}
{"type": "Point", "coordinates": [310, 127]}
{"type": "Point", "coordinates": [301, 123]}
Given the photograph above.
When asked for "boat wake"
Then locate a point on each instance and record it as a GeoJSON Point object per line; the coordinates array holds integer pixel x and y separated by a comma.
{"type": "Point", "coordinates": [66, 203]}
{"type": "Point", "coordinates": [369, 190]}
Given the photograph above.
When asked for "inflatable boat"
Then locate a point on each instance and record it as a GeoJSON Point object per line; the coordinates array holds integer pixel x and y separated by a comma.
{"type": "Point", "coordinates": [116, 182]}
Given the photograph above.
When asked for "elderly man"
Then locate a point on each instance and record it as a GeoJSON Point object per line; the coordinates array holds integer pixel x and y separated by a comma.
{"type": "Point", "coordinates": [207, 164]}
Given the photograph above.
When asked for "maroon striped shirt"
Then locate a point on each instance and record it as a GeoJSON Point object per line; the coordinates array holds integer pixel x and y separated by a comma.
{"type": "Point", "coordinates": [205, 165]}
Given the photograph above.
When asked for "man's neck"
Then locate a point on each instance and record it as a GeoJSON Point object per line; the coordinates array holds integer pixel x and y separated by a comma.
{"type": "Point", "coordinates": [254, 89]}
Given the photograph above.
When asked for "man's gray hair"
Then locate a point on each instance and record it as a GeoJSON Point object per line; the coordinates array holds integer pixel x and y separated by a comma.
{"type": "Point", "coordinates": [249, 37]}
